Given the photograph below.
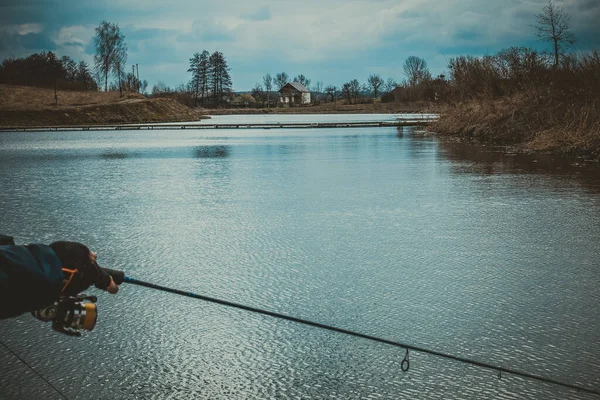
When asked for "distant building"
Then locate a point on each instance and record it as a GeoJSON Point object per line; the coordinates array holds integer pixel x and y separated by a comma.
{"type": "Point", "coordinates": [400, 94]}
{"type": "Point", "coordinates": [294, 94]}
{"type": "Point", "coordinates": [245, 99]}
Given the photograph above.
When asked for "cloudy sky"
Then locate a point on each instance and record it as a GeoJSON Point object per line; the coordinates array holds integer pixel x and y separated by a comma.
{"type": "Point", "coordinates": [331, 41]}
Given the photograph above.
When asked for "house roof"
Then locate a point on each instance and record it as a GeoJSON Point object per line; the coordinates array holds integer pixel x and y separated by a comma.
{"type": "Point", "coordinates": [296, 85]}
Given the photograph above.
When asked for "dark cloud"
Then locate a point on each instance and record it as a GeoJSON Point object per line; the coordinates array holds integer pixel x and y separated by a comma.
{"type": "Point", "coordinates": [51, 13]}
{"type": "Point", "coordinates": [586, 27]}
{"type": "Point", "coordinates": [55, 14]}
{"type": "Point", "coordinates": [429, 28]}
{"type": "Point", "coordinates": [588, 39]}
{"type": "Point", "coordinates": [13, 42]}
{"type": "Point", "coordinates": [137, 39]}
{"type": "Point", "coordinates": [586, 5]}
{"type": "Point", "coordinates": [36, 41]}
{"type": "Point", "coordinates": [132, 34]}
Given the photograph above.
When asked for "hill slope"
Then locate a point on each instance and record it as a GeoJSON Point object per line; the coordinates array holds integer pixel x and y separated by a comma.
{"type": "Point", "coordinates": [28, 106]}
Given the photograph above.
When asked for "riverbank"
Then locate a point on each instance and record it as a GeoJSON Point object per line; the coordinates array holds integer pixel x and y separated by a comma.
{"type": "Point", "coordinates": [335, 108]}
{"type": "Point", "coordinates": [28, 106]}
{"type": "Point", "coordinates": [526, 123]}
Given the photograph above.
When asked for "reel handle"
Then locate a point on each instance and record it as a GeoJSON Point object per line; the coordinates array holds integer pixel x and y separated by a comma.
{"type": "Point", "coordinates": [118, 276]}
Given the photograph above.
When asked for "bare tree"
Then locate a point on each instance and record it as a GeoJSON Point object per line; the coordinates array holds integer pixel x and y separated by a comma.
{"type": "Point", "coordinates": [346, 92]}
{"type": "Point", "coordinates": [553, 24]}
{"type": "Point", "coordinates": [302, 80]}
{"type": "Point", "coordinates": [319, 87]}
{"type": "Point", "coordinates": [390, 85]}
{"type": "Point", "coordinates": [375, 82]}
{"type": "Point", "coordinates": [111, 51]}
{"type": "Point", "coordinates": [416, 70]}
{"type": "Point", "coordinates": [268, 81]}
{"type": "Point", "coordinates": [143, 86]}
{"type": "Point", "coordinates": [331, 91]}
{"type": "Point", "coordinates": [161, 88]}
{"type": "Point", "coordinates": [351, 91]}
{"type": "Point", "coordinates": [280, 80]}
{"type": "Point", "coordinates": [119, 70]}
{"type": "Point", "coordinates": [258, 93]}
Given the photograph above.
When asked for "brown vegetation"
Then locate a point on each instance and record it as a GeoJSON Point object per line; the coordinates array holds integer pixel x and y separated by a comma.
{"type": "Point", "coordinates": [34, 98]}
{"type": "Point", "coordinates": [519, 98]}
{"type": "Point", "coordinates": [28, 106]}
{"type": "Point", "coordinates": [337, 108]}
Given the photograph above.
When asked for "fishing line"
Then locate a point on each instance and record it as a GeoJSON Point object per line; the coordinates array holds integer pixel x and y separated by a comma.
{"type": "Point", "coordinates": [405, 362]}
{"type": "Point", "coordinates": [34, 371]}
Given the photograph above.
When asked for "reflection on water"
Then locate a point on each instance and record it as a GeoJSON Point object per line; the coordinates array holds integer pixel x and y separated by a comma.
{"type": "Point", "coordinates": [494, 160]}
{"type": "Point", "coordinates": [212, 151]}
{"type": "Point", "coordinates": [453, 247]}
{"type": "Point", "coordinates": [116, 155]}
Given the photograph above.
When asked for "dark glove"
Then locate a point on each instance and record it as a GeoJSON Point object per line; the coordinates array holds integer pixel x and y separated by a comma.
{"type": "Point", "coordinates": [79, 267]}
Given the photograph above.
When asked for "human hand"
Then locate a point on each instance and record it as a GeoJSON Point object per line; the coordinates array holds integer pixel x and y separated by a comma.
{"type": "Point", "coordinates": [81, 269]}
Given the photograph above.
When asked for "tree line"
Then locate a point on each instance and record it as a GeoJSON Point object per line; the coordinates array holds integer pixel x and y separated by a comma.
{"type": "Point", "coordinates": [45, 69]}
{"type": "Point", "coordinates": [210, 81]}
{"type": "Point", "coordinates": [352, 91]}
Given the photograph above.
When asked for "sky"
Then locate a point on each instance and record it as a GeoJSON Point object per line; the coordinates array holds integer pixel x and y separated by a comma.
{"type": "Point", "coordinates": [331, 41]}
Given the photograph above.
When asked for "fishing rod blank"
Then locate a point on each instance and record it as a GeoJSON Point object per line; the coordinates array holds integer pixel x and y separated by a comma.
{"type": "Point", "coordinates": [119, 277]}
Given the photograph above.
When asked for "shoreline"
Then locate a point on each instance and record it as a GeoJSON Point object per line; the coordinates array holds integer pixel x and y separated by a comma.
{"type": "Point", "coordinates": [118, 113]}
{"type": "Point", "coordinates": [520, 125]}
{"type": "Point", "coordinates": [330, 108]}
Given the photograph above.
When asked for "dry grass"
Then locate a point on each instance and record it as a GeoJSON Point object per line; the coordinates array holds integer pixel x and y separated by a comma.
{"type": "Point", "coordinates": [516, 97]}
{"type": "Point", "coordinates": [136, 111]}
{"type": "Point", "coordinates": [28, 106]}
{"type": "Point", "coordinates": [32, 98]}
{"type": "Point", "coordinates": [526, 119]}
{"type": "Point", "coordinates": [331, 108]}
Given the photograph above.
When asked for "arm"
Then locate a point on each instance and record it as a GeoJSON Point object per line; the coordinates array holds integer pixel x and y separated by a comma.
{"type": "Point", "coordinates": [35, 276]}
{"type": "Point", "coordinates": [30, 278]}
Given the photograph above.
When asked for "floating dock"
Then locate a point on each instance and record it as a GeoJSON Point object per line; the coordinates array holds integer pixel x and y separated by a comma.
{"type": "Point", "coordinates": [208, 125]}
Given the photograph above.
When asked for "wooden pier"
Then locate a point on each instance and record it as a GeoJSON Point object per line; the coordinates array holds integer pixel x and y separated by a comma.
{"type": "Point", "coordinates": [208, 125]}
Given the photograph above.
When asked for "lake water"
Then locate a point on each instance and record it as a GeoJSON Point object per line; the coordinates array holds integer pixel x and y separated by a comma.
{"type": "Point", "coordinates": [453, 247]}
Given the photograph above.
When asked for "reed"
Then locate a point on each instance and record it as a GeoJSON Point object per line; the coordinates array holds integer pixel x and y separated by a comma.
{"type": "Point", "coordinates": [517, 98]}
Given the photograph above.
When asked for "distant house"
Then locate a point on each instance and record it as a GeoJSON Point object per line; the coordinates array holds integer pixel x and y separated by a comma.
{"type": "Point", "coordinates": [294, 94]}
{"type": "Point", "coordinates": [244, 99]}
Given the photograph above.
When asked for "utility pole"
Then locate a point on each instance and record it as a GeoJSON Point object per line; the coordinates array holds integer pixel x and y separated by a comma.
{"type": "Point", "coordinates": [335, 99]}
{"type": "Point", "coordinates": [119, 73]}
{"type": "Point", "coordinates": [138, 77]}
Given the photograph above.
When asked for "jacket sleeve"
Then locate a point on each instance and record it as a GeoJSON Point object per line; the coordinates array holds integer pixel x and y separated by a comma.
{"type": "Point", "coordinates": [31, 278]}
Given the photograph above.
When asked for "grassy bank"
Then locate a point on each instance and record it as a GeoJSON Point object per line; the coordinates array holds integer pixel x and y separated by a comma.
{"type": "Point", "coordinates": [27, 106]}
{"type": "Point", "coordinates": [516, 98]}
{"type": "Point", "coordinates": [525, 121]}
{"type": "Point", "coordinates": [338, 108]}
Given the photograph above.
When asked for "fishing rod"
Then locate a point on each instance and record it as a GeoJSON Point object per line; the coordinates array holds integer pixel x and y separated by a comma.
{"type": "Point", "coordinates": [119, 278]}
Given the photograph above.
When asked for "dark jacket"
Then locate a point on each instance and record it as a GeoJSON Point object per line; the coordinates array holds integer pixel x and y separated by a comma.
{"type": "Point", "coordinates": [31, 277]}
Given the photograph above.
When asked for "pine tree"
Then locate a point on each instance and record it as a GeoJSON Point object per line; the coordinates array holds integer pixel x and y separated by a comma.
{"type": "Point", "coordinates": [196, 78]}
{"type": "Point", "coordinates": [203, 70]}
{"type": "Point", "coordinates": [218, 76]}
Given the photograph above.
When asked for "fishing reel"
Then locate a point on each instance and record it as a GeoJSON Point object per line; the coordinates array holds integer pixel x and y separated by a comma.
{"type": "Point", "coordinates": [70, 314]}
